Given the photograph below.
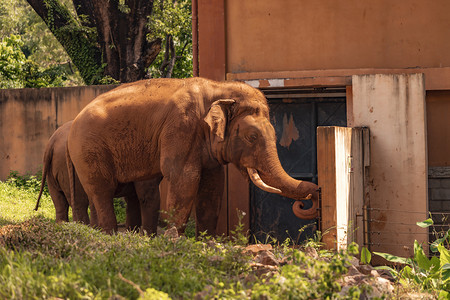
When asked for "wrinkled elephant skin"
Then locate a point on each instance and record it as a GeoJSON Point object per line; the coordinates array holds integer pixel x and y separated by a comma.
{"type": "Point", "coordinates": [55, 171]}
{"type": "Point", "coordinates": [184, 130]}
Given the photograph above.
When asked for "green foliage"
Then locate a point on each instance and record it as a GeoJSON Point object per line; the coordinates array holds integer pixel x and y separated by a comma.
{"type": "Point", "coordinates": [27, 182]}
{"type": "Point", "coordinates": [427, 274]}
{"type": "Point", "coordinates": [17, 71]}
{"type": "Point", "coordinates": [79, 41]}
{"type": "Point", "coordinates": [52, 51]}
{"type": "Point", "coordinates": [120, 210]}
{"type": "Point", "coordinates": [366, 256]}
{"type": "Point", "coordinates": [238, 235]}
{"type": "Point", "coordinates": [46, 62]}
{"type": "Point", "coordinates": [173, 18]}
{"type": "Point", "coordinates": [306, 278]}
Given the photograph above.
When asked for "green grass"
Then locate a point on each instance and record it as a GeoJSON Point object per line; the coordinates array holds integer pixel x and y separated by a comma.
{"type": "Point", "coordinates": [17, 204]}
{"type": "Point", "coordinates": [40, 259]}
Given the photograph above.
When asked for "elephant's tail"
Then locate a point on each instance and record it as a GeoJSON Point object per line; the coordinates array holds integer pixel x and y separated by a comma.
{"type": "Point", "coordinates": [47, 162]}
{"type": "Point", "coordinates": [71, 174]}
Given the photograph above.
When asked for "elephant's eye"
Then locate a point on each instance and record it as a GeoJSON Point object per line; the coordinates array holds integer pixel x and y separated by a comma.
{"type": "Point", "coordinates": [252, 137]}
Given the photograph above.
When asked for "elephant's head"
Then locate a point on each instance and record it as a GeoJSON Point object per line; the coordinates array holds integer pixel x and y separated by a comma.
{"type": "Point", "coordinates": [241, 133]}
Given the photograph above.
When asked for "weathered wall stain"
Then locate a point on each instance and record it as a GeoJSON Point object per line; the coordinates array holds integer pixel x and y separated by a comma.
{"type": "Point", "coordinates": [28, 117]}
{"type": "Point", "coordinates": [290, 132]}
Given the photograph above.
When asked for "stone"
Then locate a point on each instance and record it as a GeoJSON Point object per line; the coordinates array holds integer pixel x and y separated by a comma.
{"type": "Point", "coordinates": [256, 248]}
{"type": "Point", "coordinates": [365, 269]}
{"type": "Point", "coordinates": [171, 233]}
{"type": "Point", "coordinates": [311, 252]}
{"type": "Point", "coordinates": [267, 258]}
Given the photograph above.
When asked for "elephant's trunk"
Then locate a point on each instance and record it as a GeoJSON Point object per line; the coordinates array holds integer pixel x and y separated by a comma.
{"type": "Point", "coordinates": [276, 179]}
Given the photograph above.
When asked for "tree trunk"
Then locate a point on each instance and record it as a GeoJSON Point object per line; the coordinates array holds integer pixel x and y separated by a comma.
{"type": "Point", "coordinates": [79, 45]}
{"type": "Point", "coordinates": [169, 58]}
{"type": "Point", "coordinates": [123, 38]}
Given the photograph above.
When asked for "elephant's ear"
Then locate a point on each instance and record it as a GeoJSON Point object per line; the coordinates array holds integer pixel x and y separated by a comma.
{"type": "Point", "coordinates": [217, 118]}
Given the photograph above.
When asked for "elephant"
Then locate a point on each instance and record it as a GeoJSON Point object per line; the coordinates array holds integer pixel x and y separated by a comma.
{"type": "Point", "coordinates": [185, 131]}
{"type": "Point", "coordinates": [55, 171]}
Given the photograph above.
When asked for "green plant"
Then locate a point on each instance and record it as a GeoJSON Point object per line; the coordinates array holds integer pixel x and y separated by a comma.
{"type": "Point", "coordinates": [19, 71]}
{"type": "Point", "coordinates": [18, 198]}
{"type": "Point", "coordinates": [366, 256]}
{"type": "Point", "coordinates": [120, 209]}
{"type": "Point", "coordinates": [171, 21]}
{"type": "Point", "coordinates": [308, 278]}
{"type": "Point", "coordinates": [238, 235]}
{"type": "Point", "coordinates": [428, 274]}
{"type": "Point", "coordinates": [27, 181]}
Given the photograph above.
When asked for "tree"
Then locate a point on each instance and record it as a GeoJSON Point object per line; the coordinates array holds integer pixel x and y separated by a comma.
{"type": "Point", "coordinates": [104, 38]}
{"type": "Point", "coordinates": [17, 71]}
{"type": "Point", "coordinates": [171, 21]}
{"type": "Point", "coordinates": [30, 54]}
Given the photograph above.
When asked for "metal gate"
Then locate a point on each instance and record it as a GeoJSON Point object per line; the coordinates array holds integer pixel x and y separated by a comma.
{"type": "Point", "coordinates": [295, 114]}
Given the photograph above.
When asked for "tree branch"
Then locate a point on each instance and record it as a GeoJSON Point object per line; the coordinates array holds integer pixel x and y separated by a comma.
{"type": "Point", "coordinates": [75, 39]}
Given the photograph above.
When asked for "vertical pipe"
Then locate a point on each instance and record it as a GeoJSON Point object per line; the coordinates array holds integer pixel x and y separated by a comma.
{"type": "Point", "coordinates": [366, 226]}
{"type": "Point", "coordinates": [195, 38]}
{"type": "Point", "coordinates": [319, 218]}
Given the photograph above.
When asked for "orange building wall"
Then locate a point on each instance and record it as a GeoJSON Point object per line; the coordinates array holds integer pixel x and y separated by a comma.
{"type": "Point", "coordinates": [438, 129]}
{"type": "Point", "coordinates": [292, 35]}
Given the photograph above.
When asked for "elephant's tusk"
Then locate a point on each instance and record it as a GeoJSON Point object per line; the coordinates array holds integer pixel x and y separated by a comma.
{"type": "Point", "coordinates": [254, 176]}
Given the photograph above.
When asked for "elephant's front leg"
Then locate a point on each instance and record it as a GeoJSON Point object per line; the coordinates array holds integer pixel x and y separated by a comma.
{"type": "Point", "coordinates": [209, 198]}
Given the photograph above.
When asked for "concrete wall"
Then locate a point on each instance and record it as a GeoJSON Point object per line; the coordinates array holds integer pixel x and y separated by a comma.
{"type": "Point", "coordinates": [28, 117]}
{"type": "Point", "coordinates": [393, 107]}
{"type": "Point", "coordinates": [293, 35]}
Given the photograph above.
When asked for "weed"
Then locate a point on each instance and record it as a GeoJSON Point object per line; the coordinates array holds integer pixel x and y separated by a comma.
{"type": "Point", "coordinates": [40, 259]}
{"type": "Point", "coordinates": [419, 271]}
{"type": "Point", "coordinates": [27, 182]}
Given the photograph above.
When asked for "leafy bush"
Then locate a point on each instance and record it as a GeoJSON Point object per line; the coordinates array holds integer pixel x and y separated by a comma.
{"type": "Point", "coordinates": [27, 182]}
{"type": "Point", "coordinates": [18, 71]}
{"type": "Point", "coordinates": [427, 274]}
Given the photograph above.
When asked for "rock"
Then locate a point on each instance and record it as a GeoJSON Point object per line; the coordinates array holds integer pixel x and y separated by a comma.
{"type": "Point", "coordinates": [256, 248]}
{"type": "Point", "coordinates": [266, 258]}
{"type": "Point", "coordinates": [263, 270]}
{"type": "Point", "coordinates": [171, 233]}
{"type": "Point", "coordinates": [365, 269]}
{"type": "Point", "coordinates": [312, 252]}
{"type": "Point", "coordinates": [352, 271]}
{"type": "Point", "coordinates": [386, 274]}
{"type": "Point", "coordinates": [380, 287]}
{"type": "Point", "coordinates": [354, 261]}
{"type": "Point", "coordinates": [374, 273]}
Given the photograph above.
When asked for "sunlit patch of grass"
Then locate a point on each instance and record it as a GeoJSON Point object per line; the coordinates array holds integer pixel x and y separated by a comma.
{"type": "Point", "coordinates": [17, 204]}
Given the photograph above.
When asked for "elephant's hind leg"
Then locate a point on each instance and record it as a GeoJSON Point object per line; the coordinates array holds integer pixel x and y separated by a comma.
{"type": "Point", "coordinates": [209, 198]}
{"type": "Point", "coordinates": [149, 200]}
{"type": "Point", "coordinates": [61, 204]}
{"type": "Point", "coordinates": [101, 196]}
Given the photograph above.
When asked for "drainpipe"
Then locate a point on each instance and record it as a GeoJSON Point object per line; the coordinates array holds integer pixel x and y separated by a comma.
{"type": "Point", "coordinates": [195, 38]}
